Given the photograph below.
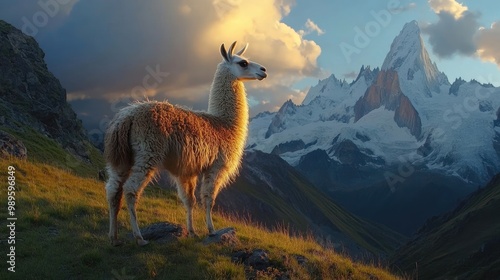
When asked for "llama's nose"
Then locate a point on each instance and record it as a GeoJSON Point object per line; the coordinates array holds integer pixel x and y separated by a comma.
{"type": "Point", "coordinates": [263, 69]}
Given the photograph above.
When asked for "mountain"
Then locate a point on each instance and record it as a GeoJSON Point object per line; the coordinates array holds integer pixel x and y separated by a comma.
{"type": "Point", "coordinates": [408, 56]}
{"type": "Point", "coordinates": [271, 193]}
{"type": "Point", "coordinates": [387, 129]}
{"type": "Point", "coordinates": [465, 241]}
{"type": "Point", "coordinates": [33, 107]}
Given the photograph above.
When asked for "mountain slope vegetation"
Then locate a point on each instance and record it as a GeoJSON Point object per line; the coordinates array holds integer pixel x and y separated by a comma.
{"type": "Point", "coordinates": [271, 191]}
{"type": "Point", "coordinates": [61, 233]}
{"type": "Point", "coordinates": [462, 244]}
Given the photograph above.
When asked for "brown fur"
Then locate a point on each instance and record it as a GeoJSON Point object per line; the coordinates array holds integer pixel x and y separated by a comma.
{"type": "Point", "coordinates": [147, 136]}
{"type": "Point", "coordinates": [117, 150]}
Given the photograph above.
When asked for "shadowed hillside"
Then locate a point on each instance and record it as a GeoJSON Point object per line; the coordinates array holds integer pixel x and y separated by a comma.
{"type": "Point", "coordinates": [462, 244]}
{"type": "Point", "coordinates": [35, 119]}
{"type": "Point", "coordinates": [62, 225]}
{"type": "Point", "coordinates": [272, 192]}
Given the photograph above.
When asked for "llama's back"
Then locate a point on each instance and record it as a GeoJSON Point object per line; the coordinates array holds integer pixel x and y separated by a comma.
{"type": "Point", "coordinates": [182, 141]}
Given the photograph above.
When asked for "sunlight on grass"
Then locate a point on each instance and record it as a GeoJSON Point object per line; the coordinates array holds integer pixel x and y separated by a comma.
{"type": "Point", "coordinates": [63, 222]}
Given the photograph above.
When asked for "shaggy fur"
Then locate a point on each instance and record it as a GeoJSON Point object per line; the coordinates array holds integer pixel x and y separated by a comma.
{"type": "Point", "coordinates": [146, 136]}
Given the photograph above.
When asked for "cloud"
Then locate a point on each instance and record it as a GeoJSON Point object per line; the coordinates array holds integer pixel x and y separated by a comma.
{"type": "Point", "coordinates": [458, 31]}
{"type": "Point", "coordinates": [449, 6]}
{"type": "Point", "coordinates": [488, 43]}
{"type": "Point", "coordinates": [405, 8]}
{"type": "Point", "coordinates": [312, 27]}
{"type": "Point", "coordinates": [283, 50]}
{"type": "Point", "coordinates": [350, 75]}
{"type": "Point", "coordinates": [273, 97]}
{"type": "Point", "coordinates": [102, 49]}
{"type": "Point", "coordinates": [450, 35]}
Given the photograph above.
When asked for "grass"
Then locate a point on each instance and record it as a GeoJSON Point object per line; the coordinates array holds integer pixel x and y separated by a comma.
{"type": "Point", "coordinates": [465, 241]}
{"type": "Point", "coordinates": [61, 233]}
{"type": "Point", "coordinates": [45, 150]}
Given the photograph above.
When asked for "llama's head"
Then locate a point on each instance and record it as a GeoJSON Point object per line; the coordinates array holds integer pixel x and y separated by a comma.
{"type": "Point", "coordinates": [241, 67]}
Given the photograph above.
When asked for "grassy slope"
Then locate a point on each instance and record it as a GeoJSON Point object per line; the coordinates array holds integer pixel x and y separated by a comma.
{"type": "Point", "coordinates": [464, 244]}
{"type": "Point", "coordinates": [62, 226]}
{"type": "Point", "coordinates": [373, 237]}
{"type": "Point", "coordinates": [45, 150]}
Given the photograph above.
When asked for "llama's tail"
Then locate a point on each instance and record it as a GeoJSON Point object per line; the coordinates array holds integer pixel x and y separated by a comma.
{"type": "Point", "coordinates": [117, 148]}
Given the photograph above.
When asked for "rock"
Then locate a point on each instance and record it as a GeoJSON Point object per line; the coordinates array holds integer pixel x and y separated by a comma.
{"type": "Point", "coordinates": [290, 146]}
{"type": "Point", "coordinates": [11, 146]}
{"type": "Point", "coordinates": [226, 236]}
{"type": "Point", "coordinates": [258, 259]}
{"type": "Point", "coordinates": [163, 232]}
{"type": "Point", "coordinates": [279, 120]}
{"type": "Point", "coordinates": [386, 92]}
{"type": "Point", "coordinates": [32, 97]}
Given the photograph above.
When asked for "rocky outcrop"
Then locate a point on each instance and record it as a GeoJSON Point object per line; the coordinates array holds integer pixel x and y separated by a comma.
{"type": "Point", "coordinates": [290, 146]}
{"type": "Point", "coordinates": [162, 232]}
{"type": "Point", "coordinates": [278, 122]}
{"type": "Point", "coordinates": [10, 146]}
{"type": "Point", "coordinates": [31, 97]}
{"type": "Point", "coordinates": [367, 73]}
{"type": "Point", "coordinates": [348, 153]}
{"type": "Point", "coordinates": [387, 92]}
{"type": "Point", "coordinates": [456, 86]}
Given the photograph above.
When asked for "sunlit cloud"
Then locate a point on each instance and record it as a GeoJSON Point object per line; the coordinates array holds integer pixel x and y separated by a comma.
{"type": "Point", "coordinates": [450, 6]}
{"type": "Point", "coordinates": [488, 42]}
{"type": "Point", "coordinates": [311, 27]}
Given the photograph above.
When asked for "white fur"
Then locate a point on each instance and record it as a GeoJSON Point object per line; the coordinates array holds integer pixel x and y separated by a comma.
{"type": "Point", "coordinates": [147, 136]}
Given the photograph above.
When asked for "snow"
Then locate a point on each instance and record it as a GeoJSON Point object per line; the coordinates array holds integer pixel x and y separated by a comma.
{"type": "Point", "coordinates": [462, 133]}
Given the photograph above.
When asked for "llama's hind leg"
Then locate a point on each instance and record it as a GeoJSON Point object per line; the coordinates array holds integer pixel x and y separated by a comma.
{"type": "Point", "coordinates": [114, 192]}
{"type": "Point", "coordinates": [133, 187]}
{"type": "Point", "coordinates": [186, 191]}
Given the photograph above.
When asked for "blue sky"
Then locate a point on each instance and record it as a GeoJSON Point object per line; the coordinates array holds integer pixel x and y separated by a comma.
{"type": "Point", "coordinates": [103, 50]}
{"type": "Point", "coordinates": [339, 23]}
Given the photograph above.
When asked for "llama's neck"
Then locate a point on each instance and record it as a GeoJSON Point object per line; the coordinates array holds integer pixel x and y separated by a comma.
{"type": "Point", "coordinates": [228, 99]}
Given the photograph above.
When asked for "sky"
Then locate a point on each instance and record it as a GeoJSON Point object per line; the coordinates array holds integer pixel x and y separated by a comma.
{"type": "Point", "coordinates": [109, 53]}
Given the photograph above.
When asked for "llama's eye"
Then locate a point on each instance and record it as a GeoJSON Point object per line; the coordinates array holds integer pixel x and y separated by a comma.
{"type": "Point", "coordinates": [243, 63]}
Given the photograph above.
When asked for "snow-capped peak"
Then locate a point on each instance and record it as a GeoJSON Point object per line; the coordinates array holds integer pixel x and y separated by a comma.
{"type": "Point", "coordinates": [410, 59]}
{"type": "Point", "coordinates": [324, 87]}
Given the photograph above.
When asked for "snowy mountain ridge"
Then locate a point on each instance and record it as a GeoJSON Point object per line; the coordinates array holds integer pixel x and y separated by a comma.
{"type": "Point", "coordinates": [405, 113]}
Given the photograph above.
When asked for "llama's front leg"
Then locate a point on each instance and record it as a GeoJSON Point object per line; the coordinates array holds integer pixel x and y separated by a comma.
{"type": "Point", "coordinates": [114, 192]}
{"type": "Point", "coordinates": [133, 187]}
{"type": "Point", "coordinates": [186, 191]}
{"type": "Point", "coordinates": [208, 193]}
{"type": "Point", "coordinates": [209, 204]}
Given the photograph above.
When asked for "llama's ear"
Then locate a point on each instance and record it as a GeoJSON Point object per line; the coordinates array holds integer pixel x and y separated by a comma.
{"type": "Point", "coordinates": [231, 49]}
{"type": "Point", "coordinates": [224, 53]}
{"type": "Point", "coordinates": [242, 51]}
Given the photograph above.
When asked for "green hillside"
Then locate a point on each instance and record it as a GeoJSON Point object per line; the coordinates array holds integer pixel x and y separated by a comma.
{"type": "Point", "coordinates": [463, 244]}
{"type": "Point", "coordinates": [61, 233]}
{"type": "Point", "coordinates": [43, 149]}
{"type": "Point", "coordinates": [272, 191]}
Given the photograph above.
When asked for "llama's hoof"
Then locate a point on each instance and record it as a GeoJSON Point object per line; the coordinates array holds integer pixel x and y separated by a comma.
{"type": "Point", "coordinates": [116, 242]}
{"type": "Point", "coordinates": [142, 242]}
{"type": "Point", "coordinates": [193, 234]}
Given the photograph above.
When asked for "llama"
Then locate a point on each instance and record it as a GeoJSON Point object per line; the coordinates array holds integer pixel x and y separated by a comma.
{"type": "Point", "coordinates": [147, 136]}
